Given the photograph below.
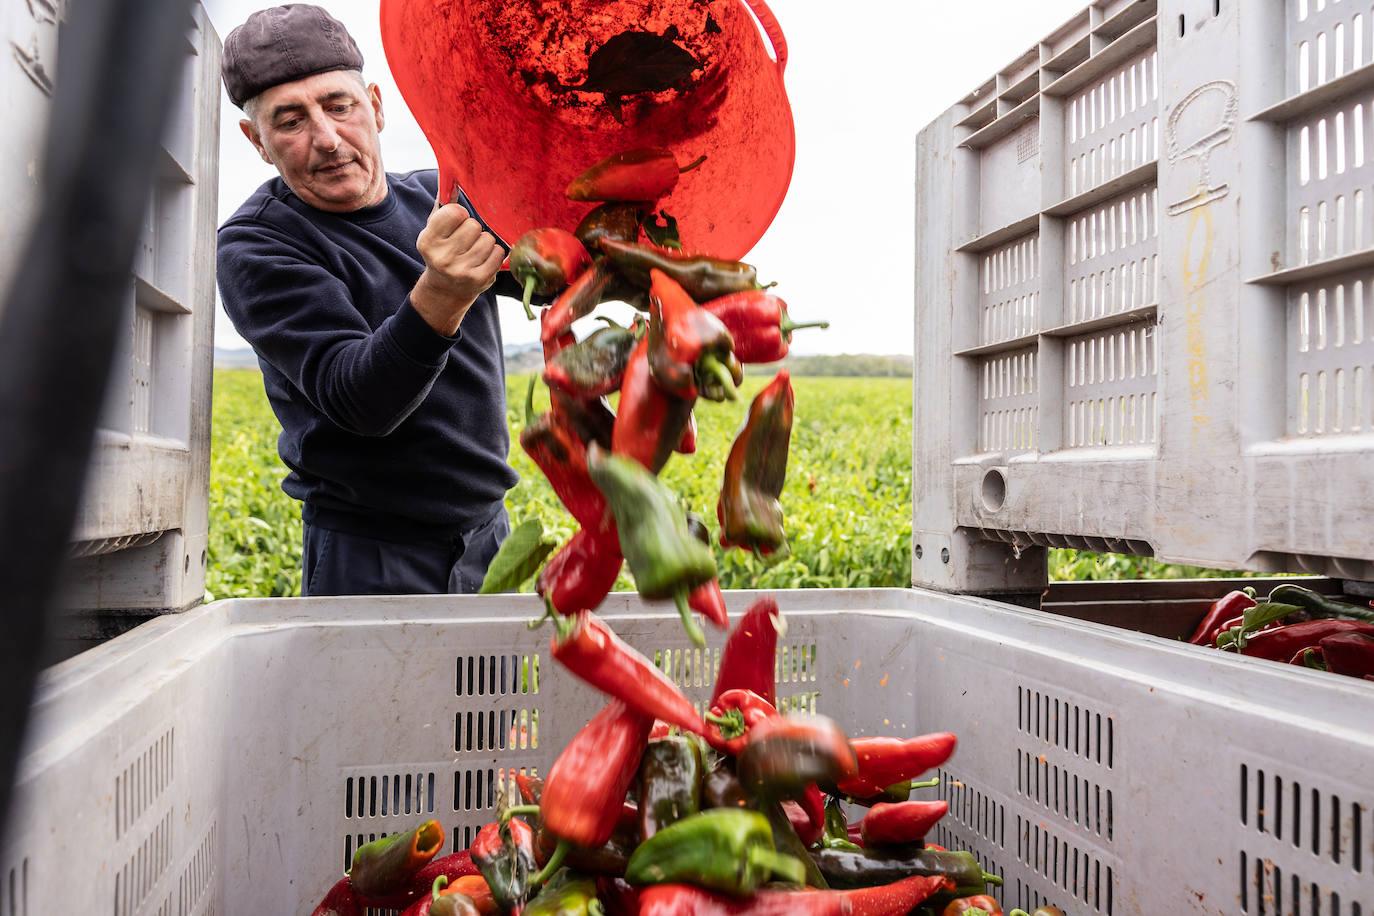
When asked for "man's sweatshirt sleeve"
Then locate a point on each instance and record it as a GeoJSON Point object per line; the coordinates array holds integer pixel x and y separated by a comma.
{"type": "Point", "coordinates": [301, 320]}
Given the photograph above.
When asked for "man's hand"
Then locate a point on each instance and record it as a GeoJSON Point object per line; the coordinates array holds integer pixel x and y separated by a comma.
{"type": "Point", "coordinates": [460, 264]}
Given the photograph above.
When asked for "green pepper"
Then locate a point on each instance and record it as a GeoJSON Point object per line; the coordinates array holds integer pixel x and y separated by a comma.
{"type": "Point", "coordinates": [385, 866]}
{"type": "Point", "coordinates": [787, 843]}
{"type": "Point", "coordinates": [566, 894]}
{"type": "Point", "coordinates": [521, 555]}
{"type": "Point", "coordinates": [836, 834]}
{"type": "Point", "coordinates": [670, 776]}
{"type": "Point", "coordinates": [846, 868]}
{"type": "Point", "coordinates": [725, 849]}
{"type": "Point", "coordinates": [666, 561]}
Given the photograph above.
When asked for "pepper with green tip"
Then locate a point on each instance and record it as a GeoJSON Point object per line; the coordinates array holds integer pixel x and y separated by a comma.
{"type": "Point", "coordinates": [702, 277]}
{"type": "Point", "coordinates": [666, 561]}
{"type": "Point", "coordinates": [690, 351]}
{"type": "Point", "coordinates": [748, 510]}
{"type": "Point", "coordinates": [385, 866]}
{"type": "Point", "coordinates": [566, 894]}
{"type": "Point", "coordinates": [846, 868]}
{"type": "Point", "coordinates": [546, 261]}
{"type": "Point", "coordinates": [504, 852]}
{"type": "Point", "coordinates": [725, 849]}
{"type": "Point", "coordinates": [595, 366]}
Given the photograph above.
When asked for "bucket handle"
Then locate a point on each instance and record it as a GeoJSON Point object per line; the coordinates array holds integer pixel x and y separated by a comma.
{"type": "Point", "coordinates": [772, 29]}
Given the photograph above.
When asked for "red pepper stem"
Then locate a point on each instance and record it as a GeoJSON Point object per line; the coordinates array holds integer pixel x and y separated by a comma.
{"type": "Point", "coordinates": [594, 908]}
{"type": "Point", "coordinates": [731, 724]}
{"type": "Point", "coordinates": [689, 622]}
{"type": "Point", "coordinates": [990, 878]}
{"type": "Point", "coordinates": [926, 783]}
{"type": "Point", "coordinates": [440, 883]}
{"type": "Point", "coordinates": [553, 865]}
{"type": "Point", "coordinates": [529, 401]}
{"type": "Point", "coordinates": [530, 283]}
{"type": "Point", "coordinates": [693, 164]}
{"type": "Point", "coordinates": [785, 867]}
{"type": "Point", "coordinates": [787, 325]}
{"type": "Point", "coordinates": [709, 365]}
{"type": "Point", "coordinates": [514, 810]}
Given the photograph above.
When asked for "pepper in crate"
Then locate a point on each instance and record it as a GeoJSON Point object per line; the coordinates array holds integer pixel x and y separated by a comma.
{"type": "Point", "coordinates": [386, 866]}
{"type": "Point", "coordinates": [725, 849]}
{"type": "Point", "coordinates": [504, 852]}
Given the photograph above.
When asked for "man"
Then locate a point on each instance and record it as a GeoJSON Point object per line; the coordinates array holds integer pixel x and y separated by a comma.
{"type": "Point", "coordinates": [371, 312]}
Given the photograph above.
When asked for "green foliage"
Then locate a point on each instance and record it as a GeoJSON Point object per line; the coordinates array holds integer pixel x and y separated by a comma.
{"type": "Point", "coordinates": [847, 500]}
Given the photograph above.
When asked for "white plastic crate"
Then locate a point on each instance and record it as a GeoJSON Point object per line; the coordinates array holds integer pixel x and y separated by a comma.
{"type": "Point", "coordinates": [228, 760]}
{"type": "Point", "coordinates": [1145, 318]}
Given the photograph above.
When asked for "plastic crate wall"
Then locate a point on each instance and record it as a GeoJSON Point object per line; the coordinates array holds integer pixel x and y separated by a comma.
{"type": "Point", "coordinates": [229, 759]}
{"type": "Point", "coordinates": [1127, 359]}
{"type": "Point", "coordinates": [140, 539]}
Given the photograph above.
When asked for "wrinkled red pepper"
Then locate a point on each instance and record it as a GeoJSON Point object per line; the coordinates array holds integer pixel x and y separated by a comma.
{"type": "Point", "coordinates": [888, 824]}
{"type": "Point", "coordinates": [503, 852]}
{"type": "Point", "coordinates": [1228, 606]}
{"type": "Point", "coordinates": [748, 510]}
{"type": "Point", "coordinates": [690, 351]}
{"type": "Point", "coordinates": [591, 651]}
{"type": "Point", "coordinates": [650, 422]}
{"type": "Point", "coordinates": [782, 756]}
{"type": "Point", "coordinates": [886, 761]}
{"type": "Point", "coordinates": [704, 278]}
{"type": "Point", "coordinates": [1349, 653]}
{"type": "Point", "coordinates": [581, 574]}
{"type": "Point", "coordinates": [634, 175]}
{"type": "Point", "coordinates": [895, 899]}
{"type": "Point", "coordinates": [586, 787]}
{"type": "Point", "coordinates": [577, 301]}
{"type": "Point", "coordinates": [595, 366]}
{"type": "Point", "coordinates": [759, 324]}
{"type": "Point", "coordinates": [751, 651]}
{"type": "Point", "coordinates": [545, 261]}
{"type": "Point", "coordinates": [1280, 643]}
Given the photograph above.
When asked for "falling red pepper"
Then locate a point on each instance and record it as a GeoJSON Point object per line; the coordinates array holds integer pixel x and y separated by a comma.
{"type": "Point", "coordinates": [709, 601]}
{"type": "Point", "coordinates": [562, 456]}
{"type": "Point", "coordinates": [748, 510]}
{"type": "Point", "coordinates": [897, 824]}
{"type": "Point", "coordinates": [750, 653]}
{"type": "Point", "coordinates": [732, 715]}
{"type": "Point", "coordinates": [633, 175]}
{"type": "Point", "coordinates": [1232, 604]}
{"type": "Point", "coordinates": [582, 573]}
{"type": "Point", "coordinates": [546, 261]}
{"type": "Point", "coordinates": [886, 761]}
{"type": "Point", "coordinates": [704, 278]}
{"type": "Point", "coordinates": [688, 445]}
{"type": "Point", "coordinates": [690, 351]}
{"type": "Point", "coordinates": [586, 787]}
{"type": "Point", "coordinates": [577, 301]}
{"type": "Point", "coordinates": [593, 367]}
{"type": "Point", "coordinates": [895, 899]}
{"type": "Point", "coordinates": [591, 651]}
{"type": "Point", "coordinates": [759, 324]}
{"type": "Point", "coordinates": [784, 755]}
{"type": "Point", "coordinates": [807, 815]}
{"type": "Point", "coordinates": [649, 422]}
{"type": "Point", "coordinates": [616, 220]}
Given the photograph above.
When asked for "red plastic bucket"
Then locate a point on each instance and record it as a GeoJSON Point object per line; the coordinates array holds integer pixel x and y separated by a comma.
{"type": "Point", "coordinates": [493, 85]}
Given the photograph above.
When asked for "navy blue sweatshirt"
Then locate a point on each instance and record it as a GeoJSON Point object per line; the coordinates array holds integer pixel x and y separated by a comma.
{"type": "Point", "coordinates": [389, 429]}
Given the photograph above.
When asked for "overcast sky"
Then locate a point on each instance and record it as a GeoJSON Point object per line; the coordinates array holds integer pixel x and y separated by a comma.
{"type": "Point", "coordinates": [863, 77]}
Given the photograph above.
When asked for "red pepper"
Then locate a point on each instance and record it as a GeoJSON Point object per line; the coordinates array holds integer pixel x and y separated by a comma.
{"type": "Point", "coordinates": [592, 652]}
{"type": "Point", "coordinates": [888, 824]}
{"type": "Point", "coordinates": [750, 653]}
{"type": "Point", "coordinates": [759, 324]}
{"type": "Point", "coordinates": [531, 788]}
{"type": "Point", "coordinates": [895, 899]}
{"type": "Point", "coordinates": [782, 756]}
{"type": "Point", "coordinates": [704, 278]}
{"type": "Point", "coordinates": [586, 787]}
{"type": "Point", "coordinates": [504, 853]}
{"type": "Point", "coordinates": [988, 905]}
{"type": "Point", "coordinates": [340, 901]}
{"type": "Point", "coordinates": [1280, 643]}
{"type": "Point", "coordinates": [690, 351]}
{"type": "Point", "coordinates": [544, 261]}
{"type": "Point", "coordinates": [886, 761]}
{"type": "Point", "coordinates": [452, 867]}
{"type": "Point", "coordinates": [732, 715]}
{"type": "Point", "coordinates": [807, 815]}
{"type": "Point", "coordinates": [748, 510]}
{"type": "Point", "coordinates": [562, 456]}
{"type": "Point", "coordinates": [650, 422]}
{"type": "Point", "coordinates": [634, 175]}
{"type": "Point", "coordinates": [577, 301]}
{"type": "Point", "coordinates": [1232, 604]}
{"type": "Point", "coordinates": [708, 601]}
{"type": "Point", "coordinates": [1350, 653]}
{"type": "Point", "coordinates": [581, 574]}
{"type": "Point", "coordinates": [619, 896]}
{"type": "Point", "coordinates": [688, 445]}
{"type": "Point", "coordinates": [619, 221]}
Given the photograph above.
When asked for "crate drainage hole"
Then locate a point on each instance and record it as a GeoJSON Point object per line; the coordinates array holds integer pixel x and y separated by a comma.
{"type": "Point", "coordinates": [994, 490]}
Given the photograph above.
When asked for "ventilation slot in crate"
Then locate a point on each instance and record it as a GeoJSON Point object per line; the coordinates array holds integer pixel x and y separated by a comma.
{"type": "Point", "coordinates": [198, 878]}
{"type": "Point", "coordinates": [1113, 126]}
{"type": "Point", "coordinates": [143, 781]}
{"type": "Point", "coordinates": [482, 788]}
{"type": "Point", "coordinates": [1009, 291]}
{"type": "Point", "coordinates": [496, 730]}
{"type": "Point", "coordinates": [973, 809]}
{"type": "Point", "coordinates": [1266, 887]}
{"type": "Point", "coordinates": [389, 795]}
{"type": "Point", "coordinates": [1331, 357]}
{"type": "Point", "coordinates": [1075, 728]}
{"type": "Point", "coordinates": [1007, 405]}
{"type": "Point", "coordinates": [1112, 257]}
{"type": "Point", "coordinates": [1077, 872]}
{"type": "Point", "coordinates": [1076, 798]}
{"type": "Point", "coordinates": [1327, 39]}
{"type": "Point", "coordinates": [1111, 381]}
{"type": "Point", "coordinates": [136, 880]}
{"type": "Point", "coordinates": [14, 896]}
{"type": "Point", "coordinates": [689, 668]}
{"type": "Point", "coordinates": [952, 841]}
{"type": "Point", "coordinates": [1329, 172]}
{"type": "Point", "coordinates": [1318, 822]}
{"type": "Point", "coordinates": [497, 675]}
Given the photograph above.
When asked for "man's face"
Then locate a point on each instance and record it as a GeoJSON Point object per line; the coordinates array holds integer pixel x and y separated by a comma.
{"type": "Point", "coordinates": [321, 134]}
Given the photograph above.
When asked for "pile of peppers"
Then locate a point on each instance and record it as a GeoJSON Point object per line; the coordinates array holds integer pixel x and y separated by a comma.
{"type": "Point", "coordinates": [1294, 625]}
{"type": "Point", "coordinates": [658, 809]}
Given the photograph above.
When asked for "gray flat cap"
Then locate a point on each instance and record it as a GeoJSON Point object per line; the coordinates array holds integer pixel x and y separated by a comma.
{"type": "Point", "coordinates": [283, 44]}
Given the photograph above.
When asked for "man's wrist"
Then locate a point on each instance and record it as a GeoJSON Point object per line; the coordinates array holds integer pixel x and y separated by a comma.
{"type": "Point", "coordinates": [440, 307]}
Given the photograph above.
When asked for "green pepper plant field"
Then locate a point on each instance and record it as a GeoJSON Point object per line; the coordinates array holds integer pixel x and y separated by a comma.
{"type": "Point", "coordinates": [847, 501]}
